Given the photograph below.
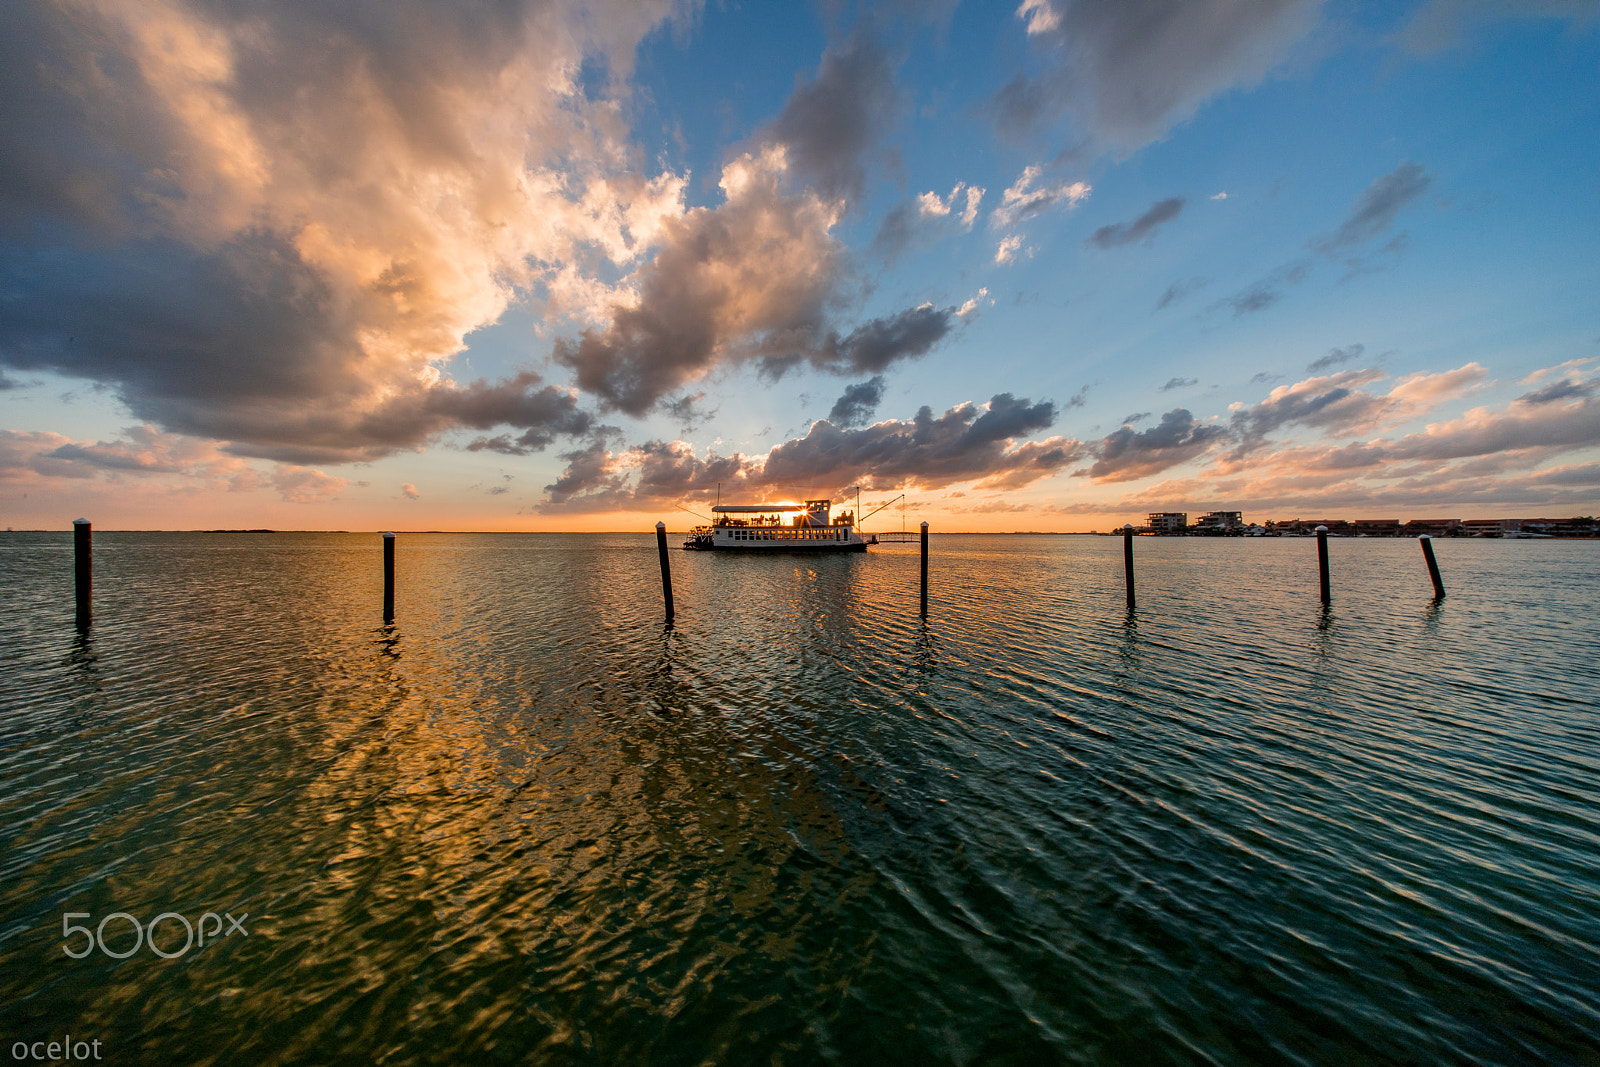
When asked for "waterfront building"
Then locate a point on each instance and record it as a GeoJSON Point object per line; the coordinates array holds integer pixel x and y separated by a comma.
{"type": "Point", "coordinates": [1220, 522]}
{"type": "Point", "coordinates": [1168, 522]}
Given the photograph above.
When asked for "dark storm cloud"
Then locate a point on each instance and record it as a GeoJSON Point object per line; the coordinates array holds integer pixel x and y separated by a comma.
{"type": "Point", "coordinates": [832, 123]}
{"type": "Point", "coordinates": [1375, 209]}
{"type": "Point", "coordinates": [1336, 357]}
{"type": "Point", "coordinates": [1126, 233]}
{"type": "Point", "coordinates": [246, 344]}
{"type": "Point", "coordinates": [963, 444]}
{"type": "Point", "coordinates": [880, 342]}
{"type": "Point", "coordinates": [856, 405]}
{"type": "Point", "coordinates": [213, 208]}
{"type": "Point", "coordinates": [1126, 454]}
{"type": "Point", "coordinates": [651, 474]}
{"type": "Point", "coordinates": [1129, 70]}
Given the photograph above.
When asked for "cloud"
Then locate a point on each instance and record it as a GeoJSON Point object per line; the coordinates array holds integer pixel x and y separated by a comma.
{"type": "Point", "coordinates": [878, 343]}
{"type": "Point", "coordinates": [1178, 290]}
{"type": "Point", "coordinates": [967, 443]}
{"type": "Point", "coordinates": [1441, 24]}
{"type": "Point", "coordinates": [1136, 418]}
{"type": "Point", "coordinates": [1336, 357]}
{"type": "Point", "coordinates": [409, 491]}
{"type": "Point", "coordinates": [1422, 390]}
{"type": "Point", "coordinates": [972, 303]}
{"type": "Point", "coordinates": [856, 406]}
{"type": "Point", "coordinates": [1337, 405]}
{"type": "Point", "coordinates": [963, 444]}
{"type": "Point", "coordinates": [833, 122]}
{"type": "Point", "coordinates": [1524, 425]}
{"type": "Point", "coordinates": [1179, 383]}
{"type": "Point", "coordinates": [1334, 403]}
{"type": "Point", "coordinates": [1565, 389]}
{"type": "Point", "coordinates": [275, 224]}
{"type": "Point", "coordinates": [1127, 72]}
{"type": "Point", "coordinates": [1375, 209]}
{"type": "Point", "coordinates": [651, 474]}
{"type": "Point", "coordinates": [1026, 198]}
{"type": "Point", "coordinates": [919, 221]}
{"type": "Point", "coordinates": [1126, 454]}
{"type": "Point", "coordinates": [1257, 297]}
{"type": "Point", "coordinates": [750, 279]}
{"type": "Point", "coordinates": [1008, 248]}
{"type": "Point", "coordinates": [303, 485]}
{"type": "Point", "coordinates": [1141, 228]}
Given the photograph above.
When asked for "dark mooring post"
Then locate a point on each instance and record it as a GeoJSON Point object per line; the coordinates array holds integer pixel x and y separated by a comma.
{"type": "Point", "coordinates": [388, 576]}
{"type": "Point", "coordinates": [924, 570]}
{"type": "Point", "coordinates": [1322, 562]}
{"type": "Point", "coordinates": [1127, 561]}
{"type": "Point", "coordinates": [1433, 566]}
{"type": "Point", "coordinates": [666, 567]}
{"type": "Point", "coordinates": [83, 567]}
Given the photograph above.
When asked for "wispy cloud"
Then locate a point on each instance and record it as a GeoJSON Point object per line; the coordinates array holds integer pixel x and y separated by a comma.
{"type": "Point", "coordinates": [1028, 196]}
{"type": "Point", "coordinates": [1375, 209]}
{"type": "Point", "coordinates": [1126, 73]}
{"type": "Point", "coordinates": [1142, 228]}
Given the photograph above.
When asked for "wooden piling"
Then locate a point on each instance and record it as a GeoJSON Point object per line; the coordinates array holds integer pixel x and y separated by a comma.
{"type": "Point", "coordinates": [924, 570]}
{"type": "Point", "coordinates": [1322, 562]}
{"type": "Point", "coordinates": [388, 576]}
{"type": "Point", "coordinates": [666, 567]}
{"type": "Point", "coordinates": [1127, 562]}
{"type": "Point", "coordinates": [1433, 566]}
{"type": "Point", "coordinates": [83, 568]}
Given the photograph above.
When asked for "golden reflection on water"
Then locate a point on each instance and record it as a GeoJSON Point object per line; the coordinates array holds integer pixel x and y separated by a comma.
{"type": "Point", "coordinates": [530, 820]}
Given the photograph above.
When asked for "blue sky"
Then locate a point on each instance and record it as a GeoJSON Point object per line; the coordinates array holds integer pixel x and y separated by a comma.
{"type": "Point", "coordinates": [566, 266]}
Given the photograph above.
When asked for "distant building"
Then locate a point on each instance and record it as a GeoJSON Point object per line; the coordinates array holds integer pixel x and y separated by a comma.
{"type": "Point", "coordinates": [1220, 522]}
{"type": "Point", "coordinates": [1377, 527]}
{"type": "Point", "coordinates": [1433, 528]}
{"type": "Point", "coordinates": [1492, 527]}
{"type": "Point", "coordinates": [1307, 527]}
{"type": "Point", "coordinates": [1168, 522]}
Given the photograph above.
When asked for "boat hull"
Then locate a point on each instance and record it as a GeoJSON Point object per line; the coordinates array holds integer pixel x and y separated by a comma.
{"type": "Point", "coordinates": [781, 548]}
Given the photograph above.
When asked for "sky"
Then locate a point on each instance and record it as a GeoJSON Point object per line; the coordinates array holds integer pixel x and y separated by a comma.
{"type": "Point", "coordinates": [546, 265]}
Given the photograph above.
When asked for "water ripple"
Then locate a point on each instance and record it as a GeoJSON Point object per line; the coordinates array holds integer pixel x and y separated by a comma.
{"type": "Point", "coordinates": [529, 822]}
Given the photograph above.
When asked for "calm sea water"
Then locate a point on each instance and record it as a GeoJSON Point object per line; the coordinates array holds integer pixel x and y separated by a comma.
{"type": "Point", "coordinates": [528, 823]}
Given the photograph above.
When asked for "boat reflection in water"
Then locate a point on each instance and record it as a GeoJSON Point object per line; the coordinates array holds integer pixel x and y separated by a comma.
{"type": "Point", "coordinates": [783, 527]}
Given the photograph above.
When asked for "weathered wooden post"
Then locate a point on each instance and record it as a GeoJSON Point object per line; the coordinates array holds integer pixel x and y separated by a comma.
{"type": "Point", "coordinates": [924, 570]}
{"type": "Point", "coordinates": [1322, 561]}
{"type": "Point", "coordinates": [1433, 566]}
{"type": "Point", "coordinates": [388, 576]}
{"type": "Point", "coordinates": [666, 567]}
{"type": "Point", "coordinates": [83, 568]}
{"type": "Point", "coordinates": [1127, 561]}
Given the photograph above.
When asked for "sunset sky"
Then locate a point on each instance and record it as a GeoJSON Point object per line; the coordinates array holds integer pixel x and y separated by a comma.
{"type": "Point", "coordinates": [524, 265]}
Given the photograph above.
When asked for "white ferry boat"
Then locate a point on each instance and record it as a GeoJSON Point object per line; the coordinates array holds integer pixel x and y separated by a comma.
{"type": "Point", "coordinates": [782, 527]}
